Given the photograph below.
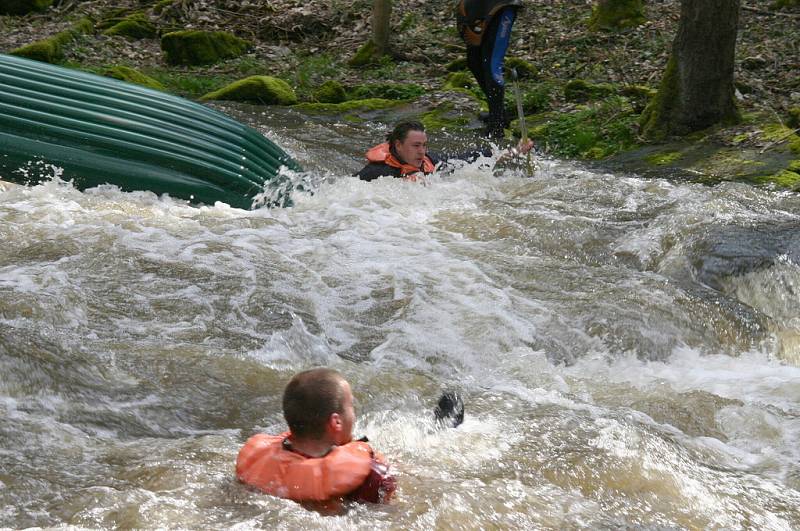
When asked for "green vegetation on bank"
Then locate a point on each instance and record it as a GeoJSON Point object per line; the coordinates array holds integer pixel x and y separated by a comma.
{"type": "Point", "coordinates": [194, 47]}
{"type": "Point", "coordinates": [51, 50]}
{"type": "Point", "coordinates": [131, 75]}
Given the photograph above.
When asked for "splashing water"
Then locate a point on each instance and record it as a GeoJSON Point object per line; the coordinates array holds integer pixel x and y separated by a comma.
{"type": "Point", "coordinates": [627, 348]}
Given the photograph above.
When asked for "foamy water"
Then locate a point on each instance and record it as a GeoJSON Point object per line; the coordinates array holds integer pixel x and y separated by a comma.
{"type": "Point", "coordinates": [624, 347]}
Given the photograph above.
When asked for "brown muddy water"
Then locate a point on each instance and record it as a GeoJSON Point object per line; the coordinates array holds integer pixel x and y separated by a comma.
{"type": "Point", "coordinates": [628, 348]}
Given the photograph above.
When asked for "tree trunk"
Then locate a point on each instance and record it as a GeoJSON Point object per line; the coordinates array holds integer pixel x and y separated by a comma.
{"type": "Point", "coordinates": [381, 13]}
{"type": "Point", "coordinates": [697, 88]}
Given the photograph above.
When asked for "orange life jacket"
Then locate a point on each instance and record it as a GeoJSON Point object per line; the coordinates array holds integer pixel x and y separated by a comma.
{"type": "Point", "coordinates": [263, 462]}
{"type": "Point", "coordinates": [382, 153]}
{"type": "Point", "coordinates": [473, 17]}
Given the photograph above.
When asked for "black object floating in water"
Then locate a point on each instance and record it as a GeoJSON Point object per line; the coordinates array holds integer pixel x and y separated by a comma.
{"type": "Point", "coordinates": [449, 411]}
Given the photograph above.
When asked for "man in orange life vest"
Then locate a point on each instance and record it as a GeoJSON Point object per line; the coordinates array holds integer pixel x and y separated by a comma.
{"type": "Point", "coordinates": [405, 154]}
{"type": "Point", "coordinates": [316, 462]}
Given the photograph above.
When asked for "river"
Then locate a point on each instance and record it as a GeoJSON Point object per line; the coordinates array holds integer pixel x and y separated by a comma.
{"type": "Point", "coordinates": [628, 349]}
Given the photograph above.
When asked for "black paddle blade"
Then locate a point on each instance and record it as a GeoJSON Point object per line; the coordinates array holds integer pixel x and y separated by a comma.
{"type": "Point", "coordinates": [449, 411]}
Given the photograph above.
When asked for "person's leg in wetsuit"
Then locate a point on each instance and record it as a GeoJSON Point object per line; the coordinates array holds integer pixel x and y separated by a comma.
{"type": "Point", "coordinates": [486, 64]}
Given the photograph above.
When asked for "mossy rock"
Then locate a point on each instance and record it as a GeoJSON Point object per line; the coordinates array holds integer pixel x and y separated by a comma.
{"type": "Point", "coordinates": [794, 117]}
{"type": "Point", "coordinates": [51, 50]}
{"type": "Point", "coordinates": [136, 26]}
{"type": "Point", "coordinates": [578, 90]}
{"type": "Point", "coordinates": [330, 92]}
{"type": "Point", "coordinates": [457, 65]}
{"type": "Point", "coordinates": [525, 70]}
{"type": "Point", "coordinates": [366, 55]}
{"type": "Point", "coordinates": [387, 91]}
{"type": "Point", "coordinates": [23, 7]}
{"type": "Point", "coordinates": [613, 15]}
{"type": "Point", "coordinates": [372, 104]}
{"type": "Point", "coordinates": [267, 90]}
{"type": "Point", "coordinates": [194, 47]}
{"type": "Point", "coordinates": [443, 118]}
{"type": "Point", "coordinates": [794, 166]}
{"type": "Point", "coordinates": [126, 73]}
{"type": "Point", "coordinates": [459, 80]}
{"type": "Point", "coordinates": [639, 95]}
{"type": "Point", "coordinates": [638, 92]}
{"type": "Point", "coordinates": [46, 51]}
{"type": "Point", "coordinates": [84, 26]}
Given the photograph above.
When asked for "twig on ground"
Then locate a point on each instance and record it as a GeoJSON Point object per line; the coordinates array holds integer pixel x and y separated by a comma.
{"type": "Point", "coordinates": [779, 141]}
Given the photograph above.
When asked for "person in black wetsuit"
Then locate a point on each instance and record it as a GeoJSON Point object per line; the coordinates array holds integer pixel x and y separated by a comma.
{"type": "Point", "coordinates": [405, 154]}
{"type": "Point", "coordinates": [485, 26]}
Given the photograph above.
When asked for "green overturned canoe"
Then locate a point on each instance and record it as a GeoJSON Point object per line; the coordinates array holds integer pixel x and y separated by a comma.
{"type": "Point", "coordinates": [100, 130]}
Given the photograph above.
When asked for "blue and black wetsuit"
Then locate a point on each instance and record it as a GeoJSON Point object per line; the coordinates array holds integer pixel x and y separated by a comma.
{"type": "Point", "coordinates": [485, 26]}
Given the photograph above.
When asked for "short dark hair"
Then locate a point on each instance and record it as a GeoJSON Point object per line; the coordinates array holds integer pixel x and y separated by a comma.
{"type": "Point", "coordinates": [400, 131]}
{"type": "Point", "coordinates": [310, 398]}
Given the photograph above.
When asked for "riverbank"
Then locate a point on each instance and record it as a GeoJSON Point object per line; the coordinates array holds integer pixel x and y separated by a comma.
{"type": "Point", "coordinates": [583, 93]}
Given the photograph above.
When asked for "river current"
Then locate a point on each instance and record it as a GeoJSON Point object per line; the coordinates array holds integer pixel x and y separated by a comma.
{"type": "Point", "coordinates": [628, 349]}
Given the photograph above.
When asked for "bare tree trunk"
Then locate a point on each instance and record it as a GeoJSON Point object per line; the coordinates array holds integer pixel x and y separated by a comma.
{"type": "Point", "coordinates": [697, 88]}
{"type": "Point", "coordinates": [381, 13]}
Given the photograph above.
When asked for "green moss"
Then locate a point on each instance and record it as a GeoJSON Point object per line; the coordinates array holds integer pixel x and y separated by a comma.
{"type": "Point", "coordinates": [330, 92]}
{"type": "Point", "coordinates": [125, 73]}
{"type": "Point", "coordinates": [260, 89]}
{"type": "Point", "coordinates": [615, 15]}
{"type": "Point", "coordinates": [459, 80]}
{"type": "Point", "coordinates": [456, 65]}
{"type": "Point", "coordinates": [663, 159]}
{"type": "Point", "coordinates": [783, 179]}
{"type": "Point", "coordinates": [47, 50]}
{"type": "Point", "coordinates": [794, 117]}
{"type": "Point", "coordinates": [373, 104]}
{"type": "Point", "coordinates": [311, 72]}
{"type": "Point", "coordinates": [136, 26]}
{"type": "Point", "coordinates": [442, 118]}
{"type": "Point", "coordinates": [597, 131]}
{"type": "Point", "coordinates": [525, 70]}
{"type": "Point", "coordinates": [794, 166]}
{"type": "Point", "coordinates": [84, 26]}
{"type": "Point", "coordinates": [781, 133]}
{"type": "Point", "coordinates": [366, 55]}
{"type": "Point", "coordinates": [23, 7]}
{"type": "Point", "coordinates": [201, 47]}
{"type": "Point", "coordinates": [51, 50]}
{"type": "Point", "coordinates": [388, 91]}
{"type": "Point", "coordinates": [579, 90]}
{"type": "Point", "coordinates": [655, 120]}
{"type": "Point", "coordinates": [191, 85]}
{"type": "Point", "coordinates": [537, 99]}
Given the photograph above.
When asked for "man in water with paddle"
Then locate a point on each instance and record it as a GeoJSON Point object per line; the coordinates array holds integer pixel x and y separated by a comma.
{"type": "Point", "coordinates": [405, 154]}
